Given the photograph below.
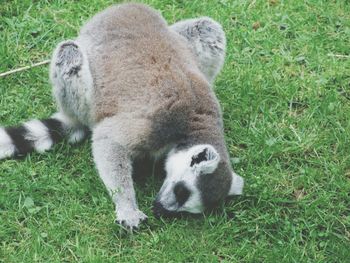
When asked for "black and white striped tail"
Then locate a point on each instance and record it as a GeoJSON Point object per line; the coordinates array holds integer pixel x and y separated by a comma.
{"type": "Point", "coordinates": [38, 135]}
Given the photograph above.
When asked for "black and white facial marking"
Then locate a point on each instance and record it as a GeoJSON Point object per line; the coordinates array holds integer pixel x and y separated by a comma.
{"type": "Point", "coordinates": [181, 191]}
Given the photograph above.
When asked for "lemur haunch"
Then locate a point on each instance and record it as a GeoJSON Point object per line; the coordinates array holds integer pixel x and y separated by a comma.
{"type": "Point", "coordinates": [141, 87]}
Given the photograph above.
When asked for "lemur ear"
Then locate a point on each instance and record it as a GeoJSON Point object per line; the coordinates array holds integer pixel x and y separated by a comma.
{"type": "Point", "coordinates": [205, 158]}
{"type": "Point", "coordinates": [237, 184]}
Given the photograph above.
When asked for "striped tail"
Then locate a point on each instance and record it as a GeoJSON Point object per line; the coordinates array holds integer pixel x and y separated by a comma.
{"type": "Point", "coordinates": [39, 135]}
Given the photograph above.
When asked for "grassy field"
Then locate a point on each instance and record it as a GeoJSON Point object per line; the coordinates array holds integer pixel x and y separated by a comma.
{"type": "Point", "coordinates": [285, 94]}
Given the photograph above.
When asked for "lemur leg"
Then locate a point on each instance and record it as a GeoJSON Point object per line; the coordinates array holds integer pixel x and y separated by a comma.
{"type": "Point", "coordinates": [114, 143]}
{"type": "Point", "coordinates": [72, 85]}
{"type": "Point", "coordinates": [207, 41]}
{"type": "Point", "coordinates": [72, 81]}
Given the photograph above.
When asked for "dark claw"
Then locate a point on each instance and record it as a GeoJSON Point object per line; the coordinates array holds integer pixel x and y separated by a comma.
{"type": "Point", "coordinates": [122, 224]}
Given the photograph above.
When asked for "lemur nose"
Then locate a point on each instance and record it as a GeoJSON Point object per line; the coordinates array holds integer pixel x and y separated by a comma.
{"type": "Point", "coordinates": [159, 210]}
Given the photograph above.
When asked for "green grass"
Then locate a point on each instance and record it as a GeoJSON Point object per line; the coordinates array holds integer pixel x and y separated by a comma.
{"type": "Point", "coordinates": [286, 104]}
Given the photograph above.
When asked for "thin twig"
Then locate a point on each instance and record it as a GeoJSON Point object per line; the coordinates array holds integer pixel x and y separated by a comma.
{"type": "Point", "coordinates": [338, 55]}
{"type": "Point", "coordinates": [24, 68]}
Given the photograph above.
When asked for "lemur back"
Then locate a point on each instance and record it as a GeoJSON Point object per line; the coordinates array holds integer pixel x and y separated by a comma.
{"type": "Point", "coordinates": [142, 88]}
{"type": "Point", "coordinates": [139, 62]}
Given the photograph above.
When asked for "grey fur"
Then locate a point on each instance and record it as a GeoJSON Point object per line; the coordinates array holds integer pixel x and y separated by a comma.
{"type": "Point", "coordinates": [143, 88]}
{"type": "Point", "coordinates": [207, 41]}
{"type": "Point", "coordinates": [72, 81]}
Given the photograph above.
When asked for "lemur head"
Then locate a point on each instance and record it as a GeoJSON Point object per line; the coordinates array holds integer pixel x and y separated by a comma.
{"type": "Point", "coordinates": [197, 178]}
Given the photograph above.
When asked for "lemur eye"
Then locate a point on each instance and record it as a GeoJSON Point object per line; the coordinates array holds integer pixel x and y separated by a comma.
{"type": "Point", "coordinates": [181, 193]}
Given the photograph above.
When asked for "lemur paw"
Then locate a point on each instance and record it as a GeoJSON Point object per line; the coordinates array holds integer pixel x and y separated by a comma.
{"type": "Point", "coordinates": [130, 219]}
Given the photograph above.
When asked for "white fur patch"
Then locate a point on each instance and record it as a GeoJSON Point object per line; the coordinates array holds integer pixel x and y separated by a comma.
{"type": "Point", "coordinates": [39, 134]}
{"type": "Point", "coordinates": [194, 203]}
{"type": "Point", "coordinates": [236, 185]}
{"type": "Point", "coordinates": [7, 148]}
{"type": "Point", "coordinates": [61, 117]}
{"type": "Point", "coordinates": [77, 136]}
{"type": "Point", "coordinates": [176, 163]}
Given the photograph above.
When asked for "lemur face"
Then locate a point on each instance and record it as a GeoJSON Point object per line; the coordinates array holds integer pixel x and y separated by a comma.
{"type": "Point", "coordinates": [196, 179]}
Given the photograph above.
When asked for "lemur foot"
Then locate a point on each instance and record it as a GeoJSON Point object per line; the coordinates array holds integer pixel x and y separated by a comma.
{"type": "Point", "coordinates": [130, 219]}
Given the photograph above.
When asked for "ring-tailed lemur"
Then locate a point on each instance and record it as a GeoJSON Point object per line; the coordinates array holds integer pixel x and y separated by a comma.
{"type": "Point", "coordinates": [141, 87]}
